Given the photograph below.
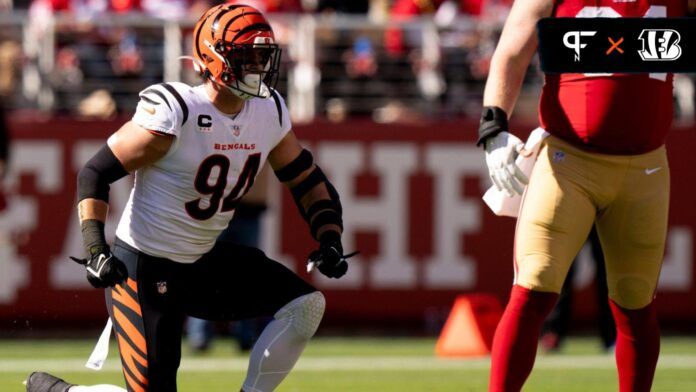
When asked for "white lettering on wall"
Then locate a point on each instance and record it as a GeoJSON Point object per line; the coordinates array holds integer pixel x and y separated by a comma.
{"type": "Point", "coordinates": [393, 267]}
{"type": "Point", "coordinates": [454, 216]}
{"type": "Point", "coordinates": [43, 160]}
{"type": "Point", "coordinates": [386, 214]}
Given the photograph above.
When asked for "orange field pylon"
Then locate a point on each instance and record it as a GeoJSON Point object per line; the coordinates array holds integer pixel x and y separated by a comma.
{"type": "Point", "coordinates": [470, 326]}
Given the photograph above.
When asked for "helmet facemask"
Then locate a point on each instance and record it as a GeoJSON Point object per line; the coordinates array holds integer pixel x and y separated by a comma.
{"type": "Point", "coordinates": [251, 70]}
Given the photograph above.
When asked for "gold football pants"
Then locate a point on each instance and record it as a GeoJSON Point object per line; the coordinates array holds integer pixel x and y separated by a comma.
{"type": "Point", "coordinates": [626, 197]}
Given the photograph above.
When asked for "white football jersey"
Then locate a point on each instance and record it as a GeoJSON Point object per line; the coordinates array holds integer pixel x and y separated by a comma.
{"type": "Point", "coordinates": [179, 205]}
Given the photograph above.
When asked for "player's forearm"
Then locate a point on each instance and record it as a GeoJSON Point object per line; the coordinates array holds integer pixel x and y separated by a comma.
{"type": "Point", "coordinates": [515, 49]}
{"type": "Point", "coordinates": [93, 197]}
{"type": "Point", "coordinates": [504, 82]}
{"type": "Point", "coordinates": [319, 196]}
{"type": "Point", "coordinates": [316, 198]}
{"type": "Point", "coordinates": [92, 213]}
{"type": "Point", "coordinates": [92, 209]}
{"type": "Point", "coordinates": [318, 203]}
{"type": "Point", "coordinates": [315, 194]}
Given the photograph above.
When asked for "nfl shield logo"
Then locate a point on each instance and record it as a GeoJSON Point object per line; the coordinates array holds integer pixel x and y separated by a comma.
{"type": "Point", "coordinates": [161, 287]}
{"type": "Point", "coordinates": [236, 130]}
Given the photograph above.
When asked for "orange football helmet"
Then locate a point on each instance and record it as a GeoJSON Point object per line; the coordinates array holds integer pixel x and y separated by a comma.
{"type": "Point", "coordinates": [234, 46]}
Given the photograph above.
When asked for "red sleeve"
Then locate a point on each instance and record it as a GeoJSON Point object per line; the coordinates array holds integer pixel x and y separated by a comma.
{"type": "Point", "coordinates": [404, 8]}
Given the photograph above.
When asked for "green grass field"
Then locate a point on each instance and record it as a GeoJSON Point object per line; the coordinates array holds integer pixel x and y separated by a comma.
{"type": "Point", "coordinates": [357, 364]}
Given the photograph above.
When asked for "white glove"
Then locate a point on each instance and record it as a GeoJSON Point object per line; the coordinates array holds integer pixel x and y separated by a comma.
{"type": "Point", "coordinates": [501, 152]}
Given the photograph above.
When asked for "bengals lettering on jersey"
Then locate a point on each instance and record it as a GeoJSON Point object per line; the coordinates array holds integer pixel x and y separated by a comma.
{"type": "Point", "coordinates": [180, 204]}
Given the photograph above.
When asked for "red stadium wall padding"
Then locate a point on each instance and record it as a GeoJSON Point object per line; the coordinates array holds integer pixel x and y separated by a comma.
{"type": "Point", "coordinates": [411, 195]}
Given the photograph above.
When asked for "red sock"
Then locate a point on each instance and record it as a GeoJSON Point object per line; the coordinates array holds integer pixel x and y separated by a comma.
{"type": "Point", "coordinates": [515, 341]}
{"type": "Point", "coordinates": [637, 346]}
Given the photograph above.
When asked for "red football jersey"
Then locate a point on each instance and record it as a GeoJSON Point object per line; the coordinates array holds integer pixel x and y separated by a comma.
{"type": "Point", "coordinates": [610, 113]}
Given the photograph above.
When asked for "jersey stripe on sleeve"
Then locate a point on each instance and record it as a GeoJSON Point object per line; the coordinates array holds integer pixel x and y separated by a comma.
{"type": "Point", "coordinates": [179, 99]}
{"type": "Point", "coordinates": [278, 107]}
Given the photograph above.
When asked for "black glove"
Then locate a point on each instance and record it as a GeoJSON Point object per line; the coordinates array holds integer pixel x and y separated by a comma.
{"type": "Point", "coordinates": [329, 258]}
{"type": "Point", "coordinates": [104, 269]}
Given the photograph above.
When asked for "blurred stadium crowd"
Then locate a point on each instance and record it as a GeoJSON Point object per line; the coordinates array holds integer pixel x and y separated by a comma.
{"type": "Point", "coordinates": [391, 60]}
{"type": "Point", "coordinates": [388, 59]}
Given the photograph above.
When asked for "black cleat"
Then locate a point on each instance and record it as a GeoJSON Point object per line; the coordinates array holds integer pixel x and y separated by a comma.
{"type": "Point", "coordinates": [44, 382]}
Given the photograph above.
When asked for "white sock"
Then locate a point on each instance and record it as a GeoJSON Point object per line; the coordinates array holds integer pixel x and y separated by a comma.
{"type": "Point", "coordinates": [282, 342]}
{"type": "Point", "coordinates": [96, 388]}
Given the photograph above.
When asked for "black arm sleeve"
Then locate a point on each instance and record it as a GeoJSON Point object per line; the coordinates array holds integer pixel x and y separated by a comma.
{"type": "Point", "coordinates": [321, 212]}
{"type": "Point", "coordinates": [100, 171]}
{"type": "Point", "coordinates": [293, 169]}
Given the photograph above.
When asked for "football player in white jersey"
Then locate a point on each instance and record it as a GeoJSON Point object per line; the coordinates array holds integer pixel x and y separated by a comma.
{"type": "Point", "coordinates": [195, 151]}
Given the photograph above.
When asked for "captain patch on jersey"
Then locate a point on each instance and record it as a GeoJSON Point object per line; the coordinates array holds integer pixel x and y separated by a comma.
{"type": "Point", "coordinates": [181, 203]}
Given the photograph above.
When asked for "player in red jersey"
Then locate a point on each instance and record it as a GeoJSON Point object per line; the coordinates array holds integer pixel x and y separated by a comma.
{"type": "Point", "coordinates": [604, 165]}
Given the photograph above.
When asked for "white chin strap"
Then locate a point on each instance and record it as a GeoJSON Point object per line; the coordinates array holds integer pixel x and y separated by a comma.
{"type": "Point", "coordinates": [250, 87]}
